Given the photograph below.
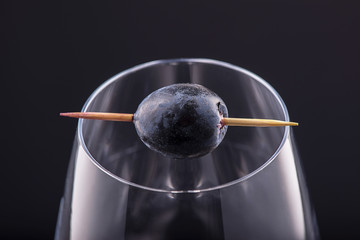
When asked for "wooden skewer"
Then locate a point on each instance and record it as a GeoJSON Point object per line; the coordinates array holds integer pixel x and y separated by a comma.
{"type": "Point", "coordinates": [126, 117]}
{"type": "Point", "coordinates": [123, 117]}
{"type": "Point", "coordinates": [252, 122]}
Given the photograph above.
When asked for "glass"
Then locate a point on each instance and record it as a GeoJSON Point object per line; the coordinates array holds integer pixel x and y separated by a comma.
{"type": "Point", "coordinates": [250, 187]}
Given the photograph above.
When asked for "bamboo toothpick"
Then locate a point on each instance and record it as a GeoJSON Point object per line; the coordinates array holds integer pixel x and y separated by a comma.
{"type": "Point", "coordinates": [126, 117]}
{"type": "Point", "coordinates": [123, 117]}
{"type": "Point", "coordinates": [252, 122]}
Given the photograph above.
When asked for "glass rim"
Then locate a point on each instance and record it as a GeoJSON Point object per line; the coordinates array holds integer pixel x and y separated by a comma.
{"type": "Point", "coordinates": [187, 60]}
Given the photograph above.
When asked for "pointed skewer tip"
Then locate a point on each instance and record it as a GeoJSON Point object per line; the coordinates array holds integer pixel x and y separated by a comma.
{"type": "Point", "coordinates": [123, 117]}
{"type": "Point", "coordinates": [251, 122]}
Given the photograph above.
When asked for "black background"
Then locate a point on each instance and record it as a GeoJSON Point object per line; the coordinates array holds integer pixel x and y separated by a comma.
{"type": "Point", "coordinates": [55, 53]}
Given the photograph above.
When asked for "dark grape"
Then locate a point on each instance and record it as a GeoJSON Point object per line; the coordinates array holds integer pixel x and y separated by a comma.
{"type": "Point", "coordinates": [181, 120]}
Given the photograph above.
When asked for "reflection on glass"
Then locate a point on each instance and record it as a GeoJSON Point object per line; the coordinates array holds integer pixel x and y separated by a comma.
{"type": "Point", "coordinates": [250, 187]}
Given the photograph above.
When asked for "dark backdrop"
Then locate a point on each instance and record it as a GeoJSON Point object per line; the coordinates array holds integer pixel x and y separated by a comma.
{"type": "Point", "coordinates": [55, 53]}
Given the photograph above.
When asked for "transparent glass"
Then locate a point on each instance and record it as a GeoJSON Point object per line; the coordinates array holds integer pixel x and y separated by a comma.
{"type": "Point", "coordinates": [250, 187]}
